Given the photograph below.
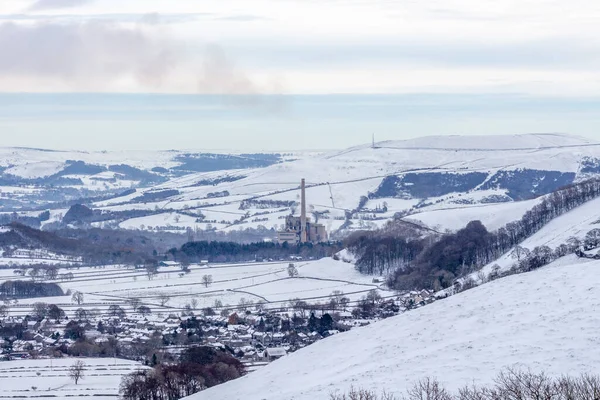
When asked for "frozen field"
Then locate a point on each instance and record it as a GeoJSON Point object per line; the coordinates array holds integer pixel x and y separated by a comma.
{"type": "Point", "coordinates": [268, 283]}
{"type": "Point", "coordinates": [29, 379]}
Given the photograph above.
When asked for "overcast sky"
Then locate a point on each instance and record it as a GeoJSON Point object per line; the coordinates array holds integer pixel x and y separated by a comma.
{"type": "Point", "coordinates": [520, 56]}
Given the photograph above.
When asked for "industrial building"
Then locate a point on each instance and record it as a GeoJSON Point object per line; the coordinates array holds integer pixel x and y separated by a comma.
{"type": "Point", "coordinates": [301, 229]}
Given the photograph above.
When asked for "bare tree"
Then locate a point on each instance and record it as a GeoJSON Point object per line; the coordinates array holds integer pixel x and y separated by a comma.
{"type": "Point", "coordinates": [292, 271]}
{"type": "Point", "coordinates": [520, 252]}
{"type": "Point", "coordinates": [51, 273]}
{"type": "Point", "coordinates": [134, 302]}
{"type": "Point", "coordinates": [116, 311]}
{"type": "Point", "coordinates": [82, 314]}
{"type": "Point", "coordinates": [76, 371]}
{"type": "Point", "coordinates": [34, 273]}
{"type": "Point", "coordinates": [344, 301]}
{"type": "Point", "coordinates": [244, 304]}
{"type": "Point", "coordinates": [3, 311]}
{"type": "Point", "coordinates": [40, 310]}
{"type": "Point", "coordinates": [164, 298]}
{"type": "Point", "coordinates": [144, 310]}
{"type": "Point", "coordinates": [151, 272]}
{"type": "Point", "coordinates": [429, 389]}
{"type": "Point", "coordinates": [207, 280]}
{"type": "Point", "coordinates": [194, 303]}
{"type": "Point", "coordinates": [77, 298]}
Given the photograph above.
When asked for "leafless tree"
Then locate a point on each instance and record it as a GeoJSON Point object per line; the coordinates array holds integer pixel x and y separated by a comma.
{"type": "Point", "coordinates": [144, 310]}
{"type": "Point", "coordinates": [520, 252]}
{"type": "Point", "coordinates": [164, 298]}
{"type": "Point", "coordinates": [292, 271]}
{"type": "Point", "coordinates": [194, 303]}
{"type": "Point", "coordinates": [77, 298]}
{"type": "Point", "coordinates": [134, 302]}
{"type": "Point", "coordinates": [82, 314]}
{"type": "Point", "coordinates": [207, 280]}
{"type": "Point", "coordinates": [51, 273]}
{"type": "Point", "coordinates": [76, 371]}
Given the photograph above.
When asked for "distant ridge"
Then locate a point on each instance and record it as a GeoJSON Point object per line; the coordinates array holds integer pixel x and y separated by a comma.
{"type": "Point", "coordinates": [530, 141]}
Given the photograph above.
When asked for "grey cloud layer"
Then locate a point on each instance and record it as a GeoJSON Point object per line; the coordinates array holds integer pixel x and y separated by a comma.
{"type": "Point", "coordinates": [88, 55]}
{"type": "Point", "coordinates": [80, 52]}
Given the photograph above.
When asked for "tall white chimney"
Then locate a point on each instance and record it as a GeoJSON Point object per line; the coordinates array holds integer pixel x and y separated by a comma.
{"type": "Point", "coordinates": [303, 236]}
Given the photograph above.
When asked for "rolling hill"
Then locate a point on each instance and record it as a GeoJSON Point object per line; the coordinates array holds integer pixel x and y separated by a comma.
{"type": "Point", "coordinates": [424, 179]}
{"type": "Point", "coordinates": [365, 186]}
{"type": "Point", "coordinates": [544, 320]}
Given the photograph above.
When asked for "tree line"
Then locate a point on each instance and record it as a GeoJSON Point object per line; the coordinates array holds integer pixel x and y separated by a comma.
{"type": "Point", "coordinates": [214, 251]}
{"type": "Point", "coordinates": [435, 261]}
{"type": "Point", "coordinates": [199, 368]}
{"type": "Point", "coordinates": [28, 289]}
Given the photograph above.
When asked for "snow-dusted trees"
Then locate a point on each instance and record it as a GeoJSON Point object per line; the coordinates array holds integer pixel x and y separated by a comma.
{"type": "Point", "coordinates": [520, 253]}
{"type": "Point", "coordinates": [435, 261]}
{"type": "Point", "coordinates": [592, 239]}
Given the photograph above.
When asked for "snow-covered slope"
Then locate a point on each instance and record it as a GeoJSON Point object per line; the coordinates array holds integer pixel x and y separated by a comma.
{"type": "Point", "coordinates": [545, 320]}
{"type": "Point", "coordinates": [408, 177]}
{"type": "Point", "coordinates": [576, 223]}
{"type": "Point", "coordinates": [492, 142]}
{"type": "Point", "coordinates": [493, 216]}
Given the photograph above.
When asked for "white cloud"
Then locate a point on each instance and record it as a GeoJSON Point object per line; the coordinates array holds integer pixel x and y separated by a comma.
{"type": "Point", "coordinates": [315, 46]}
{"type": "Point", "coordinates": [52, 4]}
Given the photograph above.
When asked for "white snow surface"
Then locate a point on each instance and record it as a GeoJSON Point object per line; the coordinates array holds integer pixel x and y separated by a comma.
{"type": "Point", "coordinates": [337, 180]}
{"type": "Point", "coordinates": [493, 216]}
{"type": "Point", "coordinates": [492, 142]}
{"type": "Point", "coordinates": [101, 380]}
{"type": "Point", "coordinates": [576, 223]}
{"type": "Point", "coordinates": [545, 320]}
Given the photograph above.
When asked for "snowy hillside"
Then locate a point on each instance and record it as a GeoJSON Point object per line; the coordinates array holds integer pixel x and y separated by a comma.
{"type": "Point", "coordinates": [55, 176]}
{"type": "Point", "coordinates": [427, 179]}
{"type": "Point", "coordinates": [545, 320]}
{"type": "Point", "coordinates": [411, 177]}
{"type": "Point", "coordinates": [574, 224]}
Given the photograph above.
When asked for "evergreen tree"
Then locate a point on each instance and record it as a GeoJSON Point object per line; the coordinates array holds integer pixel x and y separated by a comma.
{"type": "Point", "coordinates": [313, 323]}
{"type": "Point", "coordinates": [326, 324]}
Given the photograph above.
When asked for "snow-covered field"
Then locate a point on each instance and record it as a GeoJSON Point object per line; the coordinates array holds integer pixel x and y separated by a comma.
{"type": "Point", "coordinates": [493, 216]}
{"type": "Point", "coordinates": [545, 320]}
{"type": "Point", "coordinates": [28, 379]}
{"type": "Point", "coordinates": [264, 282]}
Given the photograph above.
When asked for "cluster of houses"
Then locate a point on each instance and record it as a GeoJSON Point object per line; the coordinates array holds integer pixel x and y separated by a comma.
{"type": "Point", "coordinates": [256, 337]}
